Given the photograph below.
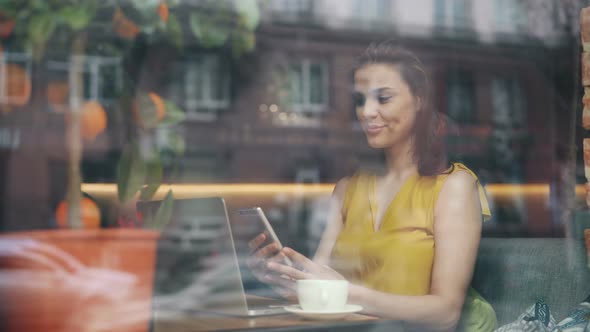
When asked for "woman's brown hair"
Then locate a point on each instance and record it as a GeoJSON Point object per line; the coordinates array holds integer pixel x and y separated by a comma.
{"type": "Point", "coordinates": [429, 146]}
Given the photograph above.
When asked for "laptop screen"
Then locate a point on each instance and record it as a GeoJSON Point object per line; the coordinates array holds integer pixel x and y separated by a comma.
{"type": "Point", "coordinates": [197, 265]}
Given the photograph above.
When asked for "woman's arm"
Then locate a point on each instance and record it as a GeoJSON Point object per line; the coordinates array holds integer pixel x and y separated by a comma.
{"type": "Point", "coordinates": [457, 231]}
{"type": "Point", "coordinates": [264, 260]}
{"type": "Point", "coordinates": [333, 224]}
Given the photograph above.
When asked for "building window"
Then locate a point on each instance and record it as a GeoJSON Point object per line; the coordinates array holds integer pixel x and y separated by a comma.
{"type": "Point", "coordinates": [455, 14]}
{"type": "Point", "coordinates": [509, 16]}
{"type": "Point", "coordinates": [369, 10]}
{"type": "Point", "coordinates": [508, 103]}
{"type": "Point", "coordinates": [461, 97]}
{"type": "Point", "coordinates": [101, 77]}
{"type": "Point", "coordinates": [308, 86]}
{"type": "Point", "coordinates": [201, 86]}
{"type": "Point", "coordinates": [509, 140]}
{"type": "Point", "coordinates": [293, 8]}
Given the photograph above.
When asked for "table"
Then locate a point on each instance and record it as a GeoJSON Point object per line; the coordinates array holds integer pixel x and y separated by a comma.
{"type": "Point", "coordinates": [187, 322]}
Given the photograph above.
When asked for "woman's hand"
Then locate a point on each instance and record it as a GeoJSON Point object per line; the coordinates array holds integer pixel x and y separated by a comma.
{"type": "Point", "coordinates": [258, 261]}
{"type": "Point", "coordinates": [304, 268]}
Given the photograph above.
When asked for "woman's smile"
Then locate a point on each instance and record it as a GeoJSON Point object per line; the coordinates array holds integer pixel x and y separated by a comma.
{"type": "Point", "coordinates": [374, 129]}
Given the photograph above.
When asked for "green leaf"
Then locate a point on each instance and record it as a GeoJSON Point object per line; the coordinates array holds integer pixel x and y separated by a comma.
{"type": "Point", "coordinates": [146, 7]}
{"type": "Point", "coordinates": [174, 31]}
{"type": "Point", "coordinates": [171, 145]}
{"type": "Point", "coordinates": [173, 3]}
{"type": "Point", "coordinates": [147, 192]}
{"type": "Point", "coordinates": [145, 14]}
{"type": "Point", "coordinates": [174, 115]}
{"type": "Point", "coordinates": [249, 12]}
{"type": "Point", "coordinates": [215, 37]}
{"type": "Point", "coordinates": [195, 24]}
{"type": "Point", "coordinates": [209, 30]}
{"type": "Point", "coordinates": [176, 143]}
{"type": "Point", "coordinates": [76, 17]}
{"type": "Point", "coordinates": [39, 5]}
{"type": "Point", "coordinates": [9, 8]}
{"type": "Point", "coordinates": [40, 27]}
{"type": "Point", "coordinates": [243, 42]}
{"type": "Point", "coordinates": [154, 173]}
{"type": "Point", "coordinates": [131, 173]}
{"type": "Point", "coordinates": [164, 212]}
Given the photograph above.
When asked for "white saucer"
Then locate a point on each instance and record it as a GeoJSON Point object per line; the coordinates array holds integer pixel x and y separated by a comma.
{"type": "Point", "coordinates": [323, 315]}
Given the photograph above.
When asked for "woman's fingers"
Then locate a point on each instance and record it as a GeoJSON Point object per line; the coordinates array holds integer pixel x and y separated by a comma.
{"type": "Point", "coordinates": [255, 264]}
{"type": "Point", "coordinates": [280, 280]}
{"type": "Point", "coordinates": [289, 271]}
{"type": "Point", "coordinates": [300, 260]}
{"type": "Point", "coordinates": [267, 251]}
{"type": "Point", "coordinates": [255, 243]}
{"type": "Point", "coordinates": [259, 265]}
{"type": "Point", "coordinates": [279, 258]}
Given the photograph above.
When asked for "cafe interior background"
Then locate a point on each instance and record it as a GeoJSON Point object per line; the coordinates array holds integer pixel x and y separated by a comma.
{"type": "Point", "coordinates": [251, 101]}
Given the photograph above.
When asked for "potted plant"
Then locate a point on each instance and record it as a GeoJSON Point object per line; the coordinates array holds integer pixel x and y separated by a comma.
{"type": "Point", "coordinates": [74, 277]}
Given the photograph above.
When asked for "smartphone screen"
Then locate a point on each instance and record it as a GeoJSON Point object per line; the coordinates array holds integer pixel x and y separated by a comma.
{"type": "Point", "coordinates": [255, 219]}
{"type": "Point", "coordinates": [246, 224]}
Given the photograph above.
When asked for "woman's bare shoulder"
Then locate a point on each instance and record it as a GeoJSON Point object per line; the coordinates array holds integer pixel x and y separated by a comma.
{"type": "Point", "coordinates": [460, 180]}
{"type": "Point", "coordinates": [341, 187]}
{"type": "Point", "coordinates": [458, 190]}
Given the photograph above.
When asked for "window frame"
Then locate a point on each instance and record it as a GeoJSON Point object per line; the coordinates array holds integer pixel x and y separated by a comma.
{"type": "Point", "coordinates": [91, 64]}
{"type": "Point", "coordinates": [448, 19]}
{"type": "Point", "coordinates": [293, 8]}
{"type": "Point", "coordinates": [307, 106]}
{"type": "Point", "coordinates": [513, 88]}
{"type": "Point", "coordinates": [456, 78]}
{"type": "Point", "coordinates": [204, 108]}
{"type": "Point", "coordinates": [368, 10]}
{"type": "Point", "coordinates": [507, 25]}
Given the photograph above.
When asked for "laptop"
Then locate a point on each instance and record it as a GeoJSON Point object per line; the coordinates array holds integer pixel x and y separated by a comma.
{"type": "Point", "coordinates": [198, 267]}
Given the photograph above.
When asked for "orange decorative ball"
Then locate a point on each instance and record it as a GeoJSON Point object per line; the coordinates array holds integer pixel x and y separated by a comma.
{"type": "Point", "coordinates": [124, 27]}
{"type": "Point", "coordinates": [6, 25]}
{"type": "Point", "coordinates": [17, 84]}
{"type": "Point", "coordinates": [159, 104]}
{"type": "Point", "coordinates": [163, 11]}
{"type": "Point", "coordinates": [93, 120]}
{"type": "Point", "coordinates": [89, 212]}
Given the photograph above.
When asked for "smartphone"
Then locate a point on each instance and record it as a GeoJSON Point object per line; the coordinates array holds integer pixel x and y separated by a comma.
{"type": "Point", "coordinates": [256, 215]}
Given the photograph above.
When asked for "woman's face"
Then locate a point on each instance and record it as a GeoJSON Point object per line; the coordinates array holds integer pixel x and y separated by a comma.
{"type": "Point", "coordinates": [384, 105]}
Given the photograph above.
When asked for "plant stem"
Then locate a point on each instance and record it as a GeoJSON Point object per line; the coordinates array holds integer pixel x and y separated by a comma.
{"type": "Point", "coordinates": [73, 138]}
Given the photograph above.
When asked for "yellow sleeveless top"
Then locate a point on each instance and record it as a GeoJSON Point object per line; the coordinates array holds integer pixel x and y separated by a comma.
{"type": "Point", "coordinates": [398, 257]}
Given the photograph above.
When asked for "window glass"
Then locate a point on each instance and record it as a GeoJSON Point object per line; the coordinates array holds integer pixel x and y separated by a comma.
{"type": "Point", "coordinates": [461, 96]}
{"type": "Point", "coordinates": [453, 13]}
{"type": "Point", "coordinates": [405, 146]}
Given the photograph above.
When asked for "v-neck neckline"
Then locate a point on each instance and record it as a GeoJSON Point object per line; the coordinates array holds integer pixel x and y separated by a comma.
{"type": "Point", "coordinates": [373, 201]}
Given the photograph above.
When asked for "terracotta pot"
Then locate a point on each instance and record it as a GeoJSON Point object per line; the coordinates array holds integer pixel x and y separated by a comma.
{"type": "Point", "coordinates": [77, 280]}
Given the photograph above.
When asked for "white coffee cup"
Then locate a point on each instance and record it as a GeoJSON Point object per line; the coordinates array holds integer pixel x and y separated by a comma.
{"type": "Point", "coordinates": [322, 295]}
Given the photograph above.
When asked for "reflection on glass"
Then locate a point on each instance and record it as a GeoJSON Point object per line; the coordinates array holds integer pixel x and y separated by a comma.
{"type": "Point", "coordinates": [461, 97]}
{"type": "Point", "coordinates": [253, 103]}
{"type": "Point", "coordinates": [316, 77]}
{"type": "Point", "coordinates": [453, 13]}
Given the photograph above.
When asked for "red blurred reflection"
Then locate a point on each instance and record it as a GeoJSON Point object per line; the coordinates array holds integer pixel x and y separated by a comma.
{"type": "Point", "coordinates": [87, 280]}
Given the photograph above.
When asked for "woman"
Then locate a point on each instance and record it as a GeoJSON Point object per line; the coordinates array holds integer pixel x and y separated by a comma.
{"type": "Point", "coordinates": [405, 238]}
